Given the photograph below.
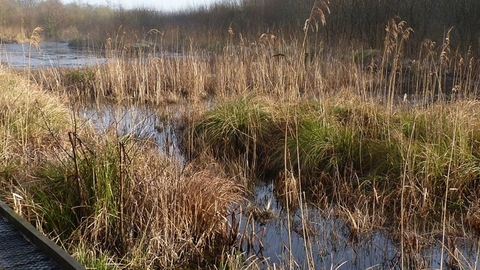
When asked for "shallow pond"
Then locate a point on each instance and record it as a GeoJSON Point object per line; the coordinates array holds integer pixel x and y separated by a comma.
{"type": "Point", "coordinates": [329, 243]}
{"type": "Point", "coordinates": [141, 123]}
{"type": "Point", "coordinates": [279, 238]}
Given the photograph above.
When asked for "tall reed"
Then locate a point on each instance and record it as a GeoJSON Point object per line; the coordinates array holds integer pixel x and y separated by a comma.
{"type": "Point", "coordinates": [327, 128]}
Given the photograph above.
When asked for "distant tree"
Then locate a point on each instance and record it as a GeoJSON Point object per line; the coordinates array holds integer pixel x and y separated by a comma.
{"type": "Point", "coordinates": [52, 17]}
{"type": "Point", "coordinates": [28, 3]}
{"type": "Point", "coordinates": [9, 13]}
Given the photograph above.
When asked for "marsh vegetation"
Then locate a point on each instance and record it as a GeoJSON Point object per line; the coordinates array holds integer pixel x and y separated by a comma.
{"type": "Point", "coordinates": [373, 141]}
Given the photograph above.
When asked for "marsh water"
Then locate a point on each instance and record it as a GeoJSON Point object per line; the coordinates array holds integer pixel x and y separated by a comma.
{"type": "Point", "coordinates": [141, 123]}
{"type": "Point", "coordinates": [280, 239]}
{"type": "Point", "coordinates": [46, 54]}
{"type": "Point", "coordinates": [276, 240]}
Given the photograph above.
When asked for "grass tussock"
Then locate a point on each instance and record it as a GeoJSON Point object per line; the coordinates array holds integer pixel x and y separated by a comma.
{"type": "Point", "coordinates": [234, 130]}
{"type": "Point", "coordinates": [28, 113]}
{"type": "Point", "coordinates": [124, 201]}
{"type": "Point", "coordinates": [364, 149]}
{"type": "Point", "coordinates": [29, 121]}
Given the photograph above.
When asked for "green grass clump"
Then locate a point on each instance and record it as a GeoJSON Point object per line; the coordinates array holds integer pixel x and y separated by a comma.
{"type": "Point", "coordinates": [79, 79]}
{"type": "Point", "coordinates": [313, 147]}
{"type": "Point", "coordinates": [233, 129]}
{"type": "Point", "coordinates": [81, 185]}
{"type": "Point", "coordinates": [357, 145]}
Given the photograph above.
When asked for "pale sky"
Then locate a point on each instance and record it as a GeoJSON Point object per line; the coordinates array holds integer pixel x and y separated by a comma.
{"type": "Point", "coordinates": [163, 5]}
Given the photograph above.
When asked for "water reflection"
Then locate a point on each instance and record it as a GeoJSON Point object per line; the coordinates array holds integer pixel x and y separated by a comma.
{"type": "Point", "coordinates": [48, 54]}
{"type": "Point", "coordinates": [329, 245]}
{"type": "Point", "coordinates": [139, 122]}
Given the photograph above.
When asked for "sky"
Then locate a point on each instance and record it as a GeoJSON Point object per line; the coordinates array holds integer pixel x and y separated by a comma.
{"type": "Point", "coordinates": [163, 5]}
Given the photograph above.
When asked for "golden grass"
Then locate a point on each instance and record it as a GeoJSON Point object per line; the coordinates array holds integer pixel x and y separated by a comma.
{"type": "Point", "coordinates": [169, 217]}
{"type": "Point", "coordinates": [399, 135]}
{"type": "Point", "coordinates": [30, 121]}
{"type": "Point", "coordinates": [110, 200]}
{"type": "Point", "coordinates": [29, 113]}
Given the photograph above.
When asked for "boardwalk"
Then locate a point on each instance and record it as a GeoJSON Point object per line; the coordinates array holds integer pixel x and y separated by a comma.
{"type": "Point", "coordinates": [23, 247]}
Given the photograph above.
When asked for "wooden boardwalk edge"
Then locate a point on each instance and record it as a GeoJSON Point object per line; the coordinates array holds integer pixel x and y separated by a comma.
{"type": "Point", "coordinates": [60, 256]}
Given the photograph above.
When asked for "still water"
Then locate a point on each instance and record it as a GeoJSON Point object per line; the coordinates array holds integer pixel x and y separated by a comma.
{"type": "Point", "coordinates": [140, 123]}
{"type": "Point", "coordinates": [47, 54]}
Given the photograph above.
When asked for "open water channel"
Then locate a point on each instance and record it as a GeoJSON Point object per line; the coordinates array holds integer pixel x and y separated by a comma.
{"type": "Point", "coordinates": [275, 240]}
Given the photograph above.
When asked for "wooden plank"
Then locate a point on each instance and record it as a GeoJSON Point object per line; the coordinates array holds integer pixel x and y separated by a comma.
{"type": "Point", "coordinates": [53, 251]}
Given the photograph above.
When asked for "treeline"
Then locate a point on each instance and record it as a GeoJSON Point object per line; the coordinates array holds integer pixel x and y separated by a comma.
{"type": "Point", "coordinates": [349, 22]}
